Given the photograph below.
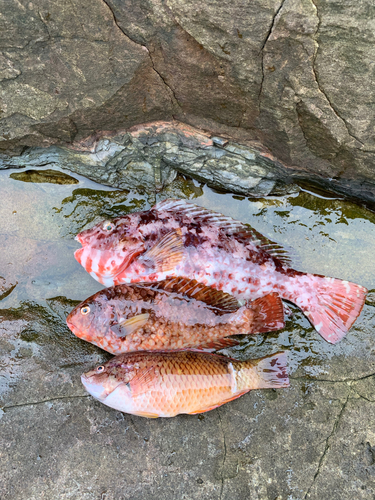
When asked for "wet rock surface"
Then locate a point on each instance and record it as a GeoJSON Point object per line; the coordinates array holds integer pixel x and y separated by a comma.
{"type": "Point", "coordinates": [314, 440]}
{"type": "Point", "coordinates": [295, 76]}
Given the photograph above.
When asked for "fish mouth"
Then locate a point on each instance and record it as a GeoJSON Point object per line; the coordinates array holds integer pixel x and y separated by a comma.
{"type": "Point", "coordinates": [80, 239]}
{"type": "Point", "coordinates": [96, 390]}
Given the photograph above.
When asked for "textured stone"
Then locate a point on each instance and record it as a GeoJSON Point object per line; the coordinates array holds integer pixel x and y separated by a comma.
{"type": "Point", "coordinates": [148, 158]}
{"type": "Point", "coordinates": [294, 75]}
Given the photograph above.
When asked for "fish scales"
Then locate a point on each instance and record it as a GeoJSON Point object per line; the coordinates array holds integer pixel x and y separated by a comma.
{"type": "Point", "coordinates": [172, 314]}
{"type": "Point", "coordinates": [176, 238]}
{"type": "Point", "coordinates": [167, 384]}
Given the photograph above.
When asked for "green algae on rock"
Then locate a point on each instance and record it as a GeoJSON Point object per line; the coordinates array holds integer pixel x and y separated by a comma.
{"type": "Point", "coordinates": [47, 176]}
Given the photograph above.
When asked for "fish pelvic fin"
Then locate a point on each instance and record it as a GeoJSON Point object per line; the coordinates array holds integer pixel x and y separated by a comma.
{"type": "Point", "coordinates": [267, 314]}
{"type": "Point", "coordinates": [166, 254]}
{"type": "Point", "coordinates": [333, 306]}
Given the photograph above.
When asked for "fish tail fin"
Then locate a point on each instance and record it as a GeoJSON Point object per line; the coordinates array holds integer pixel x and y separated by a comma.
{"type": "Point", "coordinates": [267, 314]}
{"type": "Point", "coordinates": [331, 305]}
{"type": "Point", "coordinates": [272, 371]}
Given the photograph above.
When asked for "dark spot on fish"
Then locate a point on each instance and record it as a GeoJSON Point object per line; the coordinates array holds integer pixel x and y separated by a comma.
{"type": "Point", "coordinates": [274, 361]}
{"type": "Point", "coordinates": [147, 217]}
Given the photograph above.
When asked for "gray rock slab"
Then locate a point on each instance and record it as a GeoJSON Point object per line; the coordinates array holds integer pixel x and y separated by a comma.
{"type": "Point", "coordinates": [294, 75]}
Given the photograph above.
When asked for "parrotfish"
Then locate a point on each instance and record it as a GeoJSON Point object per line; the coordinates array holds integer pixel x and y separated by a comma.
{"type": "Point", "coordinates": [166, 384]}
{"type": "Point", "coordinates": [170, 315]}
{"type": "Point", "coordinates": [177, 238]}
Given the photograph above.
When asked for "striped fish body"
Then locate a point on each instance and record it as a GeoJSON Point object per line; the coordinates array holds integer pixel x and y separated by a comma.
{"type": "Point", "coordinates": [173, 314]}
{"type": "Point", "coordinates": [176, 238]}
{"type": "Point", "coordinates": [167, 384]}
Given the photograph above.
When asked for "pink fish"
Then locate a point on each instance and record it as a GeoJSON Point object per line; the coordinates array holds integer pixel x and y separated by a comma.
{"type": "Point", "coordinates": [170, 315]}
{"type": "Point", "coordinates": [166, 384]}
{"type": "Point", "coordinates": [177, 238]}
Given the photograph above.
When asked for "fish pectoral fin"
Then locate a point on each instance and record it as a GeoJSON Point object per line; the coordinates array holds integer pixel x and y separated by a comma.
{"type": "Point", "coordinates": [143, 381]}
{"type": "Point", "coordinates": [145, 414]}
{"type": "Point", "coordinates": [166, 254]}
{"type": "Point", "coordinates": [209, 408]}
{"type": "Point", "coordinates": [130, 325]}
{"type": "Point", "coordinates": [192, 289]}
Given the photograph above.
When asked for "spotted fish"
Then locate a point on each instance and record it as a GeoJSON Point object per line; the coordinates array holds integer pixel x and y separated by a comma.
{"type": "Point", "coordinates": [177, 238]}
{"type": "Point", "coordinates": [172, 314]}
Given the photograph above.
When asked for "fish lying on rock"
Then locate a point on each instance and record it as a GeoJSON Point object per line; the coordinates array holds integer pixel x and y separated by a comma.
{"type": "Point", "coordinates": [173, 314]}
{"type": "Point", "coordinates": [177, 238]}
{"type": "Point", "coordinates": [166, 384]}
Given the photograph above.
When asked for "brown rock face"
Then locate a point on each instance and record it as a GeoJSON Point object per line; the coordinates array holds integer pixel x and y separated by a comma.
{"type": "Point", "coordinates": [294, 75]}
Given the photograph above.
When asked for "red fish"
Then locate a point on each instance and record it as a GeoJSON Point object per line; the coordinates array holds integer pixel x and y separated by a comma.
{"type": "Point", "coordinates": [176, 238]}
{"type": "Point", "coordinates": [173, 314]}
{"type": "Point", "coordinates": [166, 384]}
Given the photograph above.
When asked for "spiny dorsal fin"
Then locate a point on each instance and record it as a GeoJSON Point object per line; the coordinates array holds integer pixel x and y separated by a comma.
{"type": "Point", "coordinates": [166, 254]}
{"type": "Point", "coordinates": [198, 291]}
{"type": "Point", "coordinates": [226, 224]}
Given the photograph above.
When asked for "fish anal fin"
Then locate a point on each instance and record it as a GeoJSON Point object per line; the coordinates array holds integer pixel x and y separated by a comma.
{"type": "Point", "coordinates": [216, 345]}
{"type": "Point", "coordinates": [198, 291]}
{"type": "Point", "coordinates": [130, 325]}
{"type": "Point", "coordinates": [166, 254]}
{"type": "Point", "coordinates": [203, 410]}
{"type": "Point", "coordinates": [145, 414]}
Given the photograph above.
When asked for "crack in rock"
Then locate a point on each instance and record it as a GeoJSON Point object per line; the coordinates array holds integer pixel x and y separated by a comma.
{"type": "Point", "coordinates": [304, 379]}
{"type": "Point", "coordinates": [5, 408]}
{"type": "Point", "coordinates": [327, 445]}
{"type": "Point", "coordinates": [261, 52]}
{"type": "Point", "coordinates": [316, 75]}
{"type": "Point", "coordinates": [173, 96]}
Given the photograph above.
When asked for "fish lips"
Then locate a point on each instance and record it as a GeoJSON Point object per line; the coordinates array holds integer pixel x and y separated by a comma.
{"type": "Point", "coordinates": [95, 389]}
{"type": "Point", "coordinates": [80, 239]}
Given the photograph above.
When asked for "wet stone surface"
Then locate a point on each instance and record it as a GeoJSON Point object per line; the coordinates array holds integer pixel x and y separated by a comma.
{"type": "Point", "coordinates": [314, 440]}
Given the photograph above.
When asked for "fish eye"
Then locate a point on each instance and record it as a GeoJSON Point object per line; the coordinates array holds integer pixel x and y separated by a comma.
{"type": "Point", "coordinates": [85, 310]}
{"type": "Point", "coordinates": [100, 369]}
{"type": "Point", "coordinates": [108, 226]}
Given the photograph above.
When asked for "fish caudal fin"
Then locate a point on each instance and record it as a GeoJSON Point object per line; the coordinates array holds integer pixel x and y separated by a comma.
{"type": "Point", "coordinates": [331, 305]}
{"type": "Point", "coordinates": [268, 314]}
{"type": "Point", "coordinates": [272, 371]}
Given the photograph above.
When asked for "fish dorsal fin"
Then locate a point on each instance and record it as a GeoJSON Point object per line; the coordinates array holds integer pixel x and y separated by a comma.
{"type": "Point", "coordinates": [198, 291]}
{"type": "Point", "coordinates": [226, 224]}
{"type": "Point", "coordinates": [127, 326]}
{"type": "Point", "coordinates": [166, 254]}
{"type": "Point", "coordinates": [143, 381]}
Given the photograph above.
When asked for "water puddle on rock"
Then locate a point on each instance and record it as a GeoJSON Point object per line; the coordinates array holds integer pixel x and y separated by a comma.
{"type": "Point", "coordinates": [40, 216]}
